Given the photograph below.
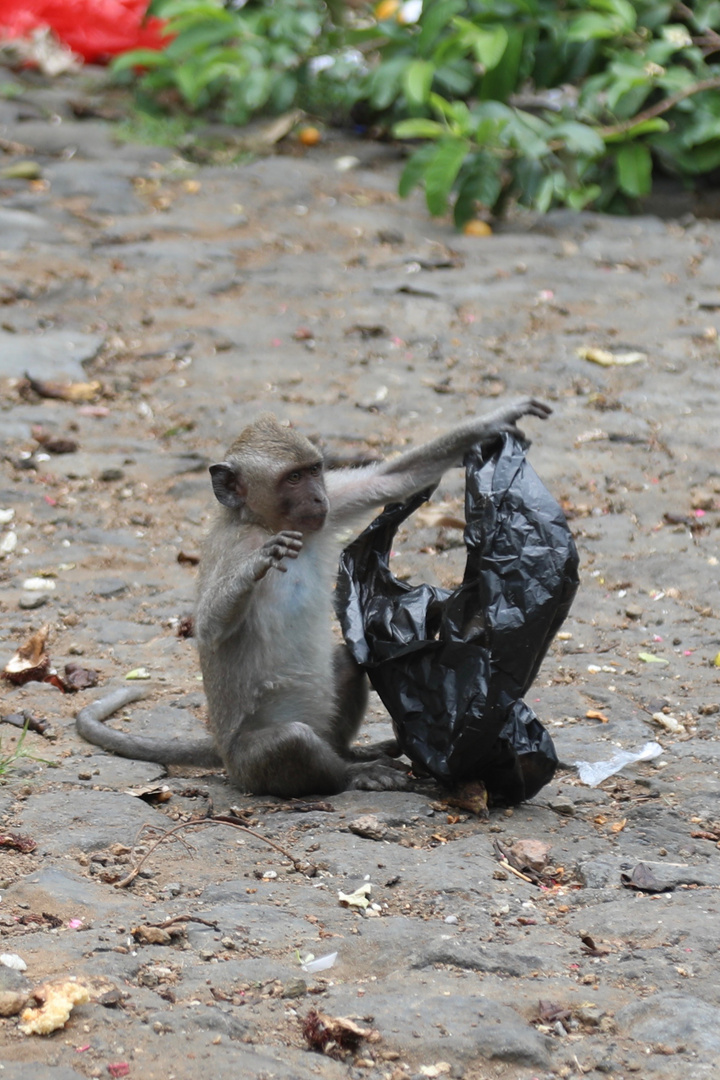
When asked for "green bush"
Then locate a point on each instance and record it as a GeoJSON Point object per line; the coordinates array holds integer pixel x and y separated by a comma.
{"type": "Point", "coordinates": [233, 63]}
{"type": "Point", "coordinates": [546, 104]}
{"type": "Point", "coordinates": [532, 101]}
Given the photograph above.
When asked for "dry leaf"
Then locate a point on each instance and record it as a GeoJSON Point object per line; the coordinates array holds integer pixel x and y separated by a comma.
{"type": "Point", "coordinates": [31, 662]}
{"type": "Point", "coordinates": [76, 392]}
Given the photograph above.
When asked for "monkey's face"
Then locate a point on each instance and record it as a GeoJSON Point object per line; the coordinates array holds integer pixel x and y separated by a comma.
{"type": "Point", "coordinates": [302, 501]}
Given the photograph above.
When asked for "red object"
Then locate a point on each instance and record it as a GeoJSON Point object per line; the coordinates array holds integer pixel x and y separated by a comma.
{"type": "Point", "coordinates": [95, 29]}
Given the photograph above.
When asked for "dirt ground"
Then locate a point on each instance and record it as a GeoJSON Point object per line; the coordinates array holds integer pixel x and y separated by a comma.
{"type": "Point", "coordinates": [195, 296]}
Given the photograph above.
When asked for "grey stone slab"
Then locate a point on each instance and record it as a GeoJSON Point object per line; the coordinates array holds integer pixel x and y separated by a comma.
{"type": "Point", "coordinates": [19, 227]}
{"type": "Point", "coordinates": [37, 1070]}
{"type": "Point", "coordinates": [88, 821]}
{"type": "Point", "coordinates": [451, 1027]}
{"type": "Point", "coordinates": [109, 184]}
{"type": "Point", "coordinates": [673, 1020]}
{"type": "Point", "coordinates": [53, 355]}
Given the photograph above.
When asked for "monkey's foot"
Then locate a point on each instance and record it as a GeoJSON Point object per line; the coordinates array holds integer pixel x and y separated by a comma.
{"type": "Point", "coordinates": [374, 776]}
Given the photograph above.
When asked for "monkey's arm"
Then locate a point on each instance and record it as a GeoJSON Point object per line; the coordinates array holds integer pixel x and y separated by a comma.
{"type": "Point", "coordinates": [354, 490]}
{"type": "Point", "coordinates": [226, 588]}
{"type": "Point", "coordinates": [89, 724]}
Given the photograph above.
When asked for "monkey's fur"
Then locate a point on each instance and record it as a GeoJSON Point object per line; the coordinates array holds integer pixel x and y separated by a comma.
{"type": "Point", "coordinates": [284, 702]}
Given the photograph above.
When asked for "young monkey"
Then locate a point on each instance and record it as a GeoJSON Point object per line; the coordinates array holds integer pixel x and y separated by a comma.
{"type": "Point", "coordinates": [284, 702]}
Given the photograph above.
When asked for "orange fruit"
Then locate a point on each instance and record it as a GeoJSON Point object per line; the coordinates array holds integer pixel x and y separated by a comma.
{"type": "Point", "coordinates": [309, 136]}
{"type": "Point", "coordinates": [476, 227]}
{"type": "Point", "coordinates": [386, 9]}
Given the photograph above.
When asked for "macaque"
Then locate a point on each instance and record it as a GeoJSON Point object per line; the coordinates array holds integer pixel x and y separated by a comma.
{"type": "Point", "coordinates": [285, 702]}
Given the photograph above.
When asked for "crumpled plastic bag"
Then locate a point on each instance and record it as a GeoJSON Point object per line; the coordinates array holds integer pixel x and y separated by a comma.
{"type": "Point", "coordinates": [451, 666]}
{"type": "Point", "coordinates": [95, 29]}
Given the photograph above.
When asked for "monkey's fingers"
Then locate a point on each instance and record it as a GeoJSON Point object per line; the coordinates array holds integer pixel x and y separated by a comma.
{"type": "Point", "coordinates": [538, 408]}
{"type": "Point", "coordinates": [528, 407]}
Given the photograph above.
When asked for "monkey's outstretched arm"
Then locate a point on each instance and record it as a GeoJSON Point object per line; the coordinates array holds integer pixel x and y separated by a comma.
{"type": "Point", "coordinates": [89, 724]}
{"type": "Point", "coordinates": [353, 490]}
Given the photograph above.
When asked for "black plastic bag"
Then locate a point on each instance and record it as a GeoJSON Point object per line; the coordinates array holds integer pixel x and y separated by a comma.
{"type": "Point", "coordinates": [451, 667]}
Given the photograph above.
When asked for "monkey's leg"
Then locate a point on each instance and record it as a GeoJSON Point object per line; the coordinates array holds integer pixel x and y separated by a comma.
{"type": "Point", "coordinates": [292, 761]}
{"type": "Point", "coordinates": [351, 696]}
{"type": "Point", "coordinates": [289, 760]}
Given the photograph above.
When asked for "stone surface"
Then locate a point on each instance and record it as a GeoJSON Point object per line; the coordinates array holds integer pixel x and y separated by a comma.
{"type": "Point", "coordinates": [53, 355]}
{"type": "Point", "coordinates": [186, 310]}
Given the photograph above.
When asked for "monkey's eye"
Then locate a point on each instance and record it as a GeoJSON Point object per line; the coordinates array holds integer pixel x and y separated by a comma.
{"type": "Point", "coordinates": [315, 470]}
{"type": "Point", "coordinates": [294, 478]}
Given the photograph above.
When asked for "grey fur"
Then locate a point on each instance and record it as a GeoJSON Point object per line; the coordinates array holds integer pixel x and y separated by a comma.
{"type": "Point", "coordinates": [284, 702]}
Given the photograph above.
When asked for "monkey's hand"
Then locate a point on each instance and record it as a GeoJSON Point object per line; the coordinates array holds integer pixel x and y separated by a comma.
{"type": "Point", "coordinates": [284, 545]}
{"type": "Point", "coordinates": [384, 752]}
{"type": "Point", "coordinates": [505, 419]}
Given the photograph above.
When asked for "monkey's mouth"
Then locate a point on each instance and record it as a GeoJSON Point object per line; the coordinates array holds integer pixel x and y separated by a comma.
{"type": "Point", "coordinates": [312, 522]}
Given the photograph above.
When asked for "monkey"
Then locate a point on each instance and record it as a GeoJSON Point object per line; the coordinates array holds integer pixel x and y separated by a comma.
{"type": "Point", "coordinates": [284, 702]}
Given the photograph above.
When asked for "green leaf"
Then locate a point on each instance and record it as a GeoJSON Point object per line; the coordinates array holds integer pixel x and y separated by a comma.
{"type": "Point", "coordinates": [590, 25]}
{"type": "Point", "coordinates": [417, 80]}
{"type": "Point", "coordinates": [579, 198]}
{"type": "Point", "coordinates": [441, 172]}
{"type": "Point", "coordinates": [386, 82]}
{"type": "Point", "coordinates": [199, 36]}
{"type": "Point", "coordinates": [141, 58]}
{"type": "Point", "coordinates": [419, 128]}
{"type": "Point", "coordinates": [488, 45]}
{"type": "Point", "coordinates": [634, 169]}
{"type": "Point", "coordinates": [645, 127]}
{"type": "Point", "coordinates": [482, 184]}
{"type": "Point", "coordinates": [544, 195]}
{"type": "Point", "coordinates": [435, 18]}
{"type": "Point", "coordinates": [413, 172]}
{"type": "Point", "coordinates": [579, 138]}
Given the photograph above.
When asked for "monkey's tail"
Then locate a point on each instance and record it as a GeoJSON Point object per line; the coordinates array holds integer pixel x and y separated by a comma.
{"type": "Point", "coordinates": [89, 724]}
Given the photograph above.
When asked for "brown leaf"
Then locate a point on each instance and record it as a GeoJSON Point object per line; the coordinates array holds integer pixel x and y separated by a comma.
{"type": "Point", "coordinates": [549, 1012]}
{"type": "Point", "coordinates": [334, 1035]}
{"type": "Point", "coordinates": [471, 796]}
{"type": "Point", "coordinates": [591, 947]}
{"type": "Point", "coordinates": [31, 662]}
{"type": "Point", "coordinates": [78, 677]}
{"type": "Point", "coordinates": [75, 392]}
{"type": "Point", "coordinates": [156, 935]}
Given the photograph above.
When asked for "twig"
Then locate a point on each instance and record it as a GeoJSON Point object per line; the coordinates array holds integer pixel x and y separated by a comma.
{"type": "Point", "coordinates": [660, 108]}
{"type": "Point", "coordinates": [184, 918]}
{"type": "Point", "coordinates": [220, 819]}
{"type": "Point", "coordinates": [506, 866]}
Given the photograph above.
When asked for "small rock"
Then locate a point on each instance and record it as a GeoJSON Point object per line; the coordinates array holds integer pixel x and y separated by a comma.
{"type": "Point", "coordinates": [369, 826]}
{"type": "Point", "coordinates": [296, 988]}
{"type": "Point", "coordinates": [589, 1014]}
{"type": "Point", "coordinates": [561, 804]}
{"type": "Point", "coordinates": [533, 854]}
{"type": "Point", "coordinates": [634, 611]}
{"type": "Point", "coordinates": [110, 474]}
{"type": "Point", "coordinates": [30, 603]}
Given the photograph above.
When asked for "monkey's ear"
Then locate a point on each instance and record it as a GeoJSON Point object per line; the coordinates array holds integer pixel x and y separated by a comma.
{"type": "Point", "coordinates": [228, 485]}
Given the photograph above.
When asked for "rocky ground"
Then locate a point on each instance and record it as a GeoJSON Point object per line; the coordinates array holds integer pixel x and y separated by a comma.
{"type": "Point", "coordinates": [193, 296]}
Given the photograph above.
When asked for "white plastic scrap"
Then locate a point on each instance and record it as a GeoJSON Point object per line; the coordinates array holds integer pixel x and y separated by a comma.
{"type": "Point", "coordinates": [593, 773]}
{"type": "Point", "coordinates": [12, 960]}
{"type": "Point", "coordinates": [359, 898]}
{"type": "Point", "coordinates": [321, 964]}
